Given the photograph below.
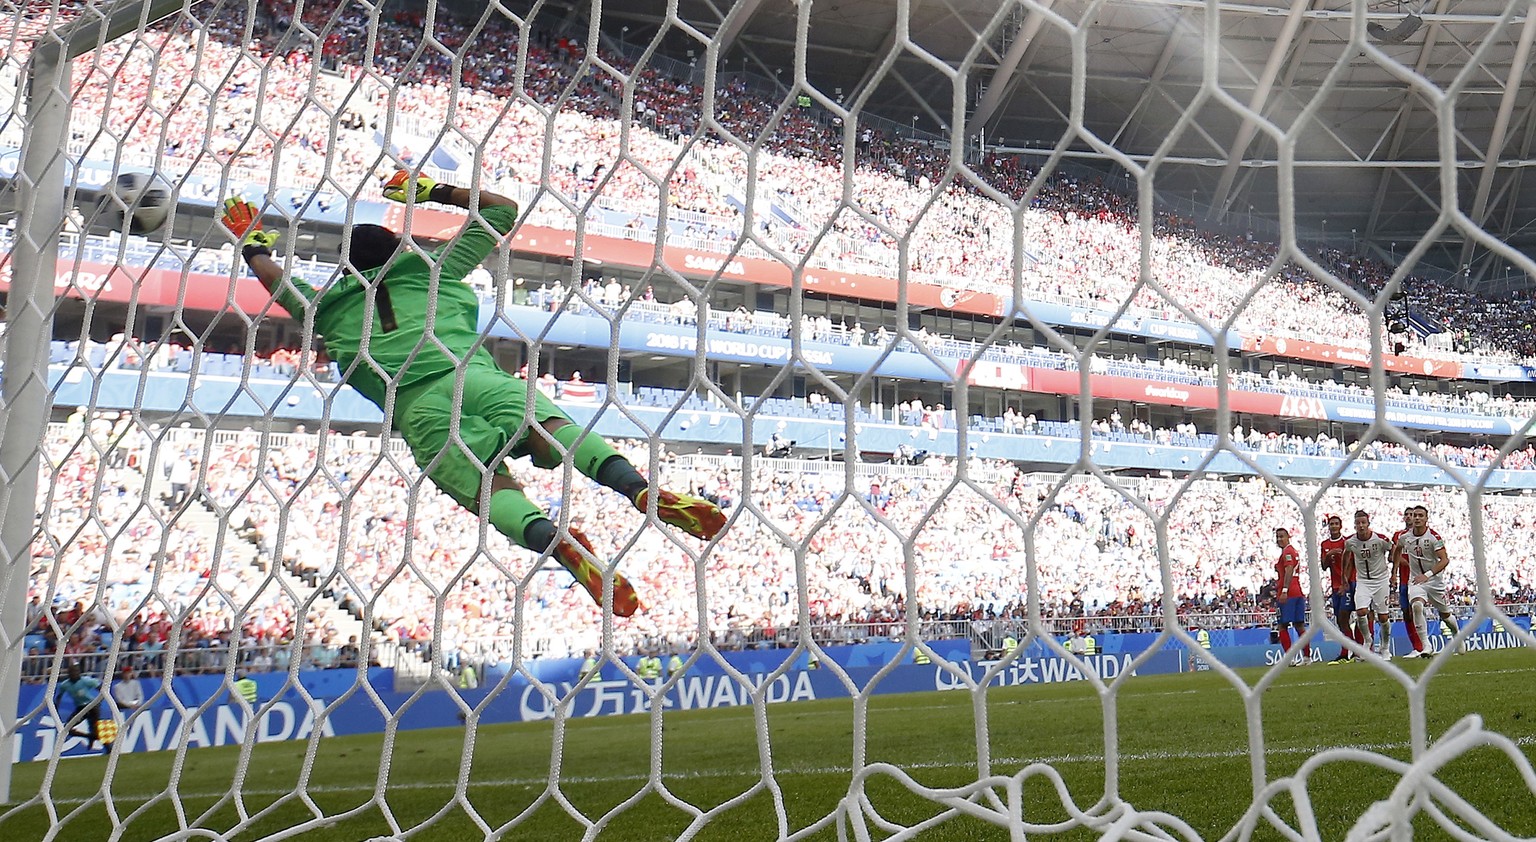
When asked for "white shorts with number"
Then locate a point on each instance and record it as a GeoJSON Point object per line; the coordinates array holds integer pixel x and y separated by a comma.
{"type": "Point", "coordinates": [1432, 592]}
{"type": "Point", "coordinates": [1373, 595]}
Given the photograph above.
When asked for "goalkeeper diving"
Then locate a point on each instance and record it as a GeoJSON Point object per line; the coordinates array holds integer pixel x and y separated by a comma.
{"type": "Point", "coordinates": [382, 303]}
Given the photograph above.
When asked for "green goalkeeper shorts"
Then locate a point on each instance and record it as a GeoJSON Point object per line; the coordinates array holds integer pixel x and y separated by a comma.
{"type": "Point", "coordinates": [491, 414]}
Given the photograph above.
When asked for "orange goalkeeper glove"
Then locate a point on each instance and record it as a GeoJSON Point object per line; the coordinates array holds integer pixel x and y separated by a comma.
{"type": "Point", "coordinates": [402, 188]}
{"type": "Point", "coordinates": [243, 219]}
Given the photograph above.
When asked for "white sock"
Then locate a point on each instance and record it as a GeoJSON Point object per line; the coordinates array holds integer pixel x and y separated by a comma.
{"type": "Point", "coordinates": [1418, 623]}
{"type": "Point", "coordinates": [1449, 622]}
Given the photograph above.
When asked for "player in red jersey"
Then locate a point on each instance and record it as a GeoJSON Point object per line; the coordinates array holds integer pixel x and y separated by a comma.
{"type": "Point", "coordinates": [1290, 602]}
{"type": "Point", "coordinates": [1424, 557]}
{"type": "Point", "coordinates": [1341, 597]}
{"type": "Point", "coordinates": [1402, 585]}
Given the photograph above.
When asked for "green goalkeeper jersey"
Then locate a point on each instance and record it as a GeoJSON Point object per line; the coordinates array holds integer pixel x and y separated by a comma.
{"type": "Point", "coordinates": [406, 354]}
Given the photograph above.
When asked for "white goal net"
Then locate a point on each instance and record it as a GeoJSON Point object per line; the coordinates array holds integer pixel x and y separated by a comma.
{"type": "Point", "coordinates": [1020, 421]}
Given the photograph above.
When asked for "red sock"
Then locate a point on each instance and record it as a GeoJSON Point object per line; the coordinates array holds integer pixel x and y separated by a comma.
{"type": "Point", "coordinates": [1353, 634]}
{"type": "Point", "coordinates": [1413, 634]}
{"type": "Point", "coordinates": [1285, 638]}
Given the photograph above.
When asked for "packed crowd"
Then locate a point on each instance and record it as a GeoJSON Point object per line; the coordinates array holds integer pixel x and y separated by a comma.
{"type": "Point", "coordinates": [113, 563]}
{"type": "Point", "coordinates": [509, 110]}
{"type": "Point", "coordinates": [389, 548]}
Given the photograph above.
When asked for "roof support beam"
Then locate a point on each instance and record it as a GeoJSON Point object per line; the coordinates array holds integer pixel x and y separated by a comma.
{"type": "Point", "coordinates": [922, 101]}
{"type": "Point", "coordinates": [1517, 68]}
{"type": "Point", "coordinates": [885, 47]}
{"type": "Point", "coordinates": [1266, 84]}
{"type": "Point", "coordinates": [1244, 182]}
{"type": "Point", "coordinates": [1518, 176]}
{"type": "Point", "coordinates": [735, 22]}
{"type": "Point", "coordinates": [1400, 128]}
{"type": "Point", "coordinates": [1164, 61]}
{"type": "Point", "coordinates": [1003, 79]}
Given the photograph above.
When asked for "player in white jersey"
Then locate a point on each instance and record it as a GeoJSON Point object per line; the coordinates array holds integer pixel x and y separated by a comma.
{"type": "Point", "coordinates": [1423, 551]}
{"type": "Point", "coordinates": [1369, 555]}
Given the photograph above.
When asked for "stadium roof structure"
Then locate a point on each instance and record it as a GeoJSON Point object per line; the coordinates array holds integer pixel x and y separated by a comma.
{"type": "Point", "coordinates": [1368, 144]}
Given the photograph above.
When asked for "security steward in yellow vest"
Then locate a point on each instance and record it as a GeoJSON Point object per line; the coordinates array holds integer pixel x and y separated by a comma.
{"type": "Point", "coordinates": [649, 668]}
{"type": "Point", "coordinates": [246, 687]}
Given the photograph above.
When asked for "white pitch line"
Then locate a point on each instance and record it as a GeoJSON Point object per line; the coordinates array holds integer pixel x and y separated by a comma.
{"type": "Point", "coordinates": [1227, 754]}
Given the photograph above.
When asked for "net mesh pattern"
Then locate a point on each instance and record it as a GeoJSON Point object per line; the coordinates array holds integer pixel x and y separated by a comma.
{"type": "Point", "coordinates": [152, 523]}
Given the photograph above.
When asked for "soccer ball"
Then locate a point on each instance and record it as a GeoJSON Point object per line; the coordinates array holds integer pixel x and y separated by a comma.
{"type": "Point", "coordinates": [137, 203]}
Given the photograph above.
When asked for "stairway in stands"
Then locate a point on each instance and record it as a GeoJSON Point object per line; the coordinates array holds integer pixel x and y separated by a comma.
{"type": "Point", "coordinates": [236, 550]}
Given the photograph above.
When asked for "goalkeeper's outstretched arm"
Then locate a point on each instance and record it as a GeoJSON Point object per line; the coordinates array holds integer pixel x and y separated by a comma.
{"type": "Point", "coordinates": [461, 197]}
{"type": "Point", "coordinates": [402, 188]}
{"type": "Point", "coordinates": [243, 220]}
{"type": "Point", "coordinates": [266, 270]}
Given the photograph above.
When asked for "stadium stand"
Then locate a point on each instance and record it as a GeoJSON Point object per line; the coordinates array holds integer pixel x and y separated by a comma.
{"type": "Point", "coordinates": [344, 523]}
{"type": "Point", "coordinates": [1079, 231]}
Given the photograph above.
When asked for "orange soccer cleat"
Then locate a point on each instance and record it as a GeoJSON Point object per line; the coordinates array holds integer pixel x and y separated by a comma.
{"type": "Point", "coordinates": [694, 515]}
{"type": "Point", "coordinates": [590, 576]}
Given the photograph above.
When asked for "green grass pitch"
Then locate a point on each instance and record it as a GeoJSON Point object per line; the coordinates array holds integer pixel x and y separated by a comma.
{"type": "Point", "coordinates": [1183, 749]}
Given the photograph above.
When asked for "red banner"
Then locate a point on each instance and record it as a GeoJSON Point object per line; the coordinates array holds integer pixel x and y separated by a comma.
{"type": "Point", "coordinates": [1113, 388]}
{"type": "Point", "coordinates": [154, 287]}
{"type": "Point", "coordinates": [638, 254]}
{"type": "Point", "coordinates": [1320, 352]}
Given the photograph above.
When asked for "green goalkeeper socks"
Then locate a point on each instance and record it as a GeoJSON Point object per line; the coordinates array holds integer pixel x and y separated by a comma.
{"type": "Point", "coordinates": [518, 518]}
{"type": "Point", "coordinates": [595, 457]}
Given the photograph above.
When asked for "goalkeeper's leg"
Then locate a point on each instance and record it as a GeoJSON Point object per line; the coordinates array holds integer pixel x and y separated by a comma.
{"type": "Point", "coordinates": [594, 457]}
{"type": "Point", "coordinates": [457, 458]}
{"type": "Point", "coordinates": [520, 519]}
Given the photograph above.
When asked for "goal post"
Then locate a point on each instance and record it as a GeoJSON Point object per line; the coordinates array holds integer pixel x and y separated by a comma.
{"type": "Point", "coordinates": [38, 191]}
